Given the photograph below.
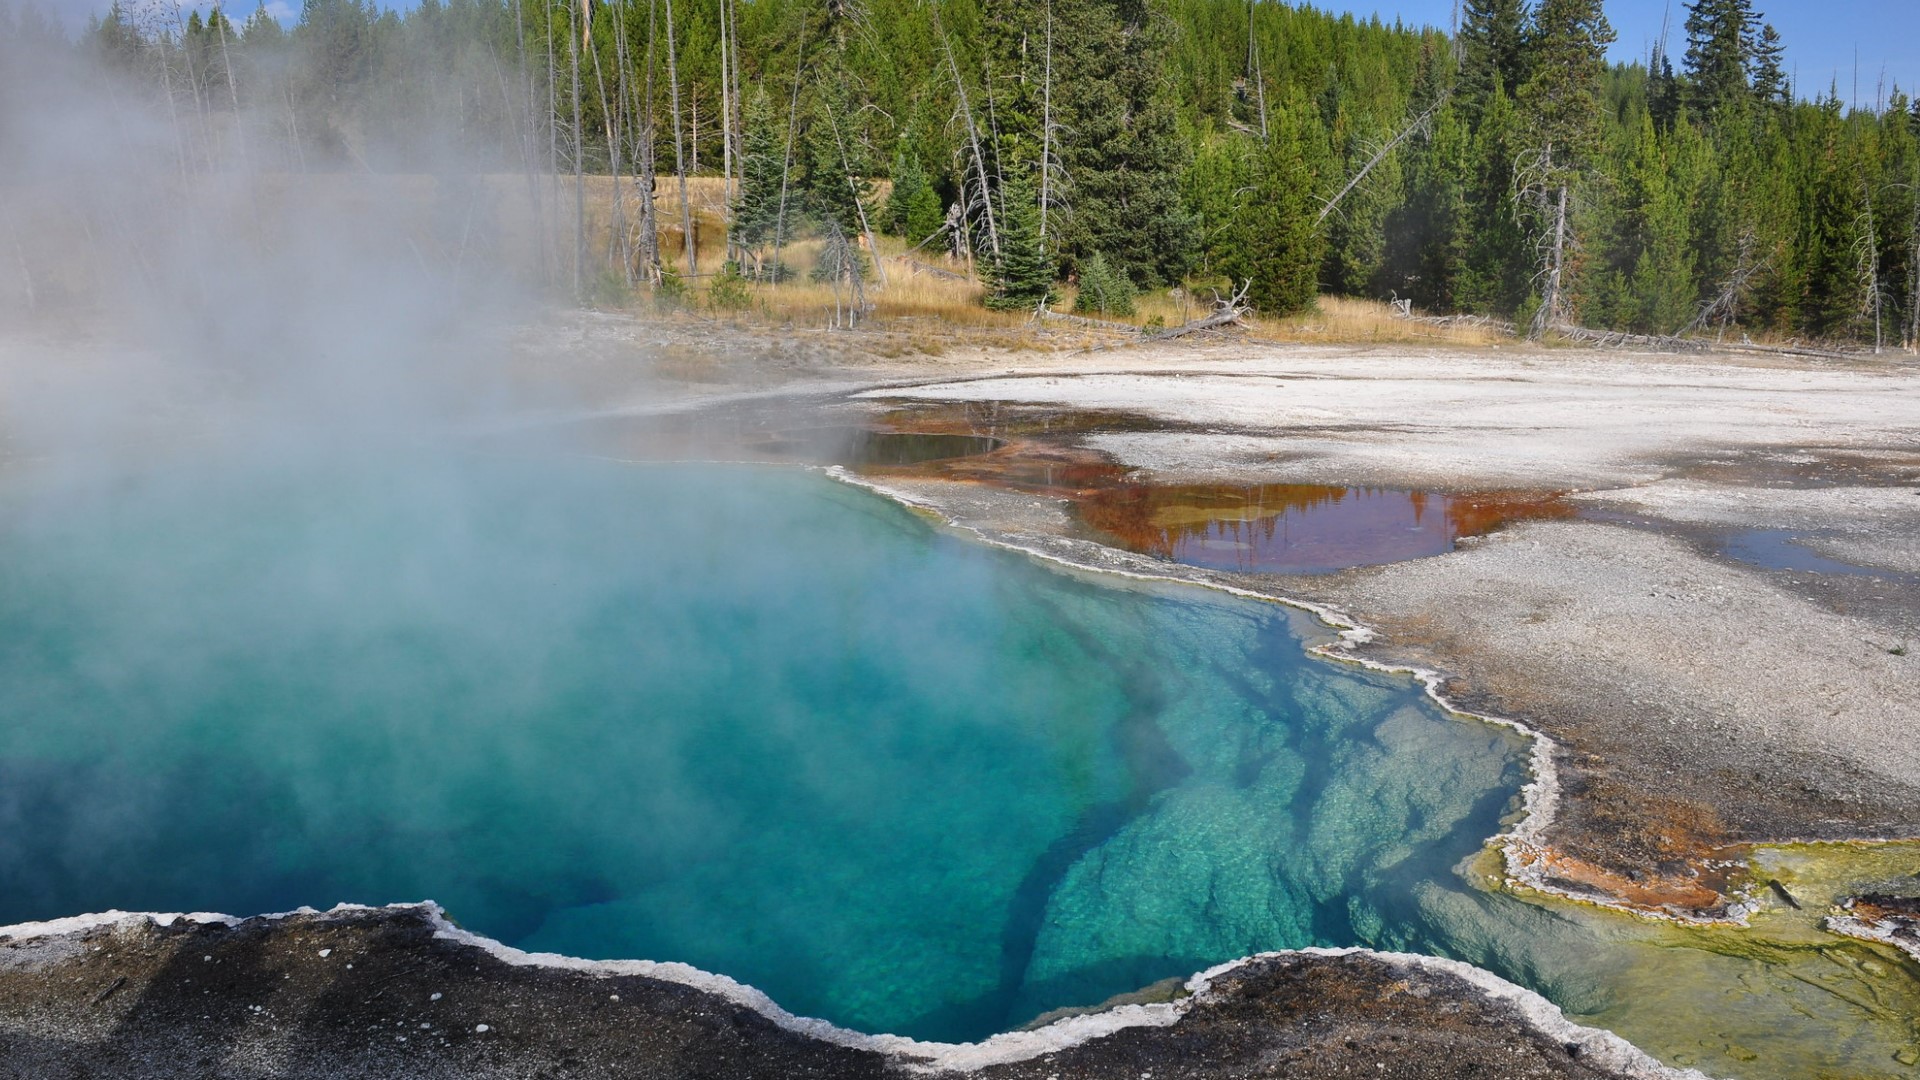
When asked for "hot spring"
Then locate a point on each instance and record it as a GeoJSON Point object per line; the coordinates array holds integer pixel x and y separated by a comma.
{"type": "Point", "coordinates": [748, 718]}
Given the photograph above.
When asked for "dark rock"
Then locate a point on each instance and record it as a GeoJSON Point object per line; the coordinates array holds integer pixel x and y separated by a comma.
{"type": "Point", "coordinates": [399, 992]}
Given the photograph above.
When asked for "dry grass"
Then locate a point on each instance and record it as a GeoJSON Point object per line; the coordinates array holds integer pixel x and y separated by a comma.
{"type": "Point", "coordinates": [931, 299]}
{"type": "Point", "coordinates": [1344, 320]}
{"type": "Point", "coordinates": [918, 298]}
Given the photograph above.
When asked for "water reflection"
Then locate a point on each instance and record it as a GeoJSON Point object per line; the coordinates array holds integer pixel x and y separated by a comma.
{"type": "Point", "coordinates": [1298, 528]}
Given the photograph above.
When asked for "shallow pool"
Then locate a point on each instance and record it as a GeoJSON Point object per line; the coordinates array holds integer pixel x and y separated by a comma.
{"type": "Point", "coordinates": [751, 719]}
{"type": "Point", "coordinates": [774, 726]}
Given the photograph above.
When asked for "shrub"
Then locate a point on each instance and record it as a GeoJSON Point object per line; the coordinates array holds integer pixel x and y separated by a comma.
{"type": "Point", "coordinates": [1103, 290]}
{"type": "Point", "coordinates": [728, 290]}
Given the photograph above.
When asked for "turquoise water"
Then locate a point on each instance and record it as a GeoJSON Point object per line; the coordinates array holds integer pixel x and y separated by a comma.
{"type": "Point", "coordinates": [750, 719]}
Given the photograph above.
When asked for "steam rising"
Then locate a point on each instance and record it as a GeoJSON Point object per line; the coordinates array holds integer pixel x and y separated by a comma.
{"type": "Point", "coordinates": [172, 266]}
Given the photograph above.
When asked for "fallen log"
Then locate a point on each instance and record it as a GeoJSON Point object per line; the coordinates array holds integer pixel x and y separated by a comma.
{"type": "Point", "coordinates": [918, 267]}
{"type": "Point", "coordinates": [1046, 314]}
{"type": "Point", "coordinates": [1226, 312]}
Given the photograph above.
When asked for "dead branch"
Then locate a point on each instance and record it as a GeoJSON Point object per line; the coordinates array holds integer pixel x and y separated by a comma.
{"type": "Point", "coordinates": [1418, 123]}
{"type": "Point", "coordinates": [915, 266]}
{"type": "Point", "coordinates": [1227, 311]}
{"type": "Point", "coordinates": [1733, 290]}
{"type": "Point", "coordinates": [1047, 314]}
{"type": "Point", "coordinates": [973, 131]}
{"type": "Point", "coordinates": [1403, 309]}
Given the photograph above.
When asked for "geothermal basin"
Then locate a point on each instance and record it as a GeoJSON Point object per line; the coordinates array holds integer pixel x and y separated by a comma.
{"type": "Point", "coordinates": [778, 727]}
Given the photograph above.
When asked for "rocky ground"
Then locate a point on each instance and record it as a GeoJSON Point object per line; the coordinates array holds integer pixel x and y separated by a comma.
{"type": "Point", "coordinates": [397, 992]}
{"type": "Point", "coordinates": [1700, 701]}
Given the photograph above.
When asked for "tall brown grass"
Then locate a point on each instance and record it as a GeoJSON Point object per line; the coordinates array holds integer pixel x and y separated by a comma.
{"type": "Point", "coordinates": [927, 292]}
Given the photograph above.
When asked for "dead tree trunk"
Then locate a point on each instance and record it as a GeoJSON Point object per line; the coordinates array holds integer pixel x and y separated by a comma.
{"type": "Point", "coordinates": [1226, 311]}
{"type": "Point", "coordinates": [1046, 126]}
{"type": "Point", "coordinates": [679, 160]}
{"type": "Point", "coordinates": [853, 189]}
{"type": "Point", "coordinates": [646, 171]}
{"type": "Point", "coordinates": [1254, 73]}
{"type": "Point", "coordinates": [1380, 155]}
{"type": "Point", "coordinates": [526, 134]}
{"type": "Point", "coordinates": [623, 102]}
{"type": "Point", "coordinates": [173, 107]}
{"type": "Point", "coordinates": [973, 137]}
{"type": "Point", "coordinates": [579, 170]}
{"type": "Point", "coordinates": [233, 92]}
{"type": "Point", "coordinates": [1913, 276]}
{"type": "Point", "coordinates": [1726, 304]}
{"type": "Point", "coordinates": [786, 158]}
{"type": "Point", "coordinates": [1552, 299]}
{"type": "Point", "coordinates": [610, 121]}
{"type": "Point", "coordinates": [551, 224]}
{"type": "Point", "coordinates": [193, 83]}
{"type": "Point", "coordinates": [1869, 248]}
{"type": "Point", "coordinates": [726, 131]}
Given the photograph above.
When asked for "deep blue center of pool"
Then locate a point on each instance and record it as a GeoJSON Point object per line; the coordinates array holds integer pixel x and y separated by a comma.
{"type": "Point", "coordinates": [749, 719]}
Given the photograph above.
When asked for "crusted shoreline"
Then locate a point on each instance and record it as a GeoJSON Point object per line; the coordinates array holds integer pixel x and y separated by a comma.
{"type": "Point", "coordinates": [401, 990]}
{"type": "Point", "coordinates": [1700, 708]}
{"type": "Point", "coordinates": [1526, 854]}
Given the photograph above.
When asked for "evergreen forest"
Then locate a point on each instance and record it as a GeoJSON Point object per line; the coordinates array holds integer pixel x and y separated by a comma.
{"type": "Point", "coordinates": [1505, 169]}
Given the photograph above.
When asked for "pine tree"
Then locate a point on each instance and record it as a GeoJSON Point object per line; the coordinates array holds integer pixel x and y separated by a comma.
{"type": "Point", "coordinates": [1769, 75]}
{"type": "Point", "coordinates": [1103, 290]}
{"type": "Point", "coordinates": [1215, 186]}
{"type": "Point", "coordinates": [1279, 247]}
{"type": "Point", "coordinates": [1428, 234]}
{"type": "Point", "coordinates": [756, 204]}
{"type": "Point", "coordinates": [114, 39]}
{"type": "Point", "coordinates": [1663, 91]}
{"type": "Point", "coordinates": [833, 181]}
{"type": "Point", "coordinates": [1493, 43]}
{"type": "Point", "coordinates": [913, 207]}
{"type": "Point", "coordinates": [1356, 236]}
{"type": "Point", "coordinates": [1663, 283]}
{"type": "Point", "coordinates": [1560, 106]}
{"type": "Point", "coordinates": [1831, 297]}
{"type": "Point", "coordinates": [1718, 52]}
{"type": "Point", "coordinates": [1021, 279]}
{"type": "Point", "coordinates": [1126, 155]}
{"type": "Point", "coordinates": [1498, 264]}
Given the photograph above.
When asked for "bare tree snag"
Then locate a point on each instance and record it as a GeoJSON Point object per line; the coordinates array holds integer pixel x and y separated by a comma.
{"type": "Point", "coordinates": [1418, 123]}
{"type": "Point", "coordinates": [579, 171]}
{"type": "Point", "coordinates": [726, 130]}
{"type": "Point", "coordinates": [1727, 303]}
{"type": "Point", "coordinates": [1227, 311]}
{"type": "Point", "coordinates": [973, 136]}
{"type": "Point", "coordinates": [786, 160]}
{"type": "Point", "coordinates": [1552, 300]}
{"type": "Point", "coordinates": [1867, 245]}
{"type": "Point", "coordinates": [1046, 125]}
{"type": "Point", "coordinates": [679, 158]}
{"type": "Point", "coordinates": [853, 189]}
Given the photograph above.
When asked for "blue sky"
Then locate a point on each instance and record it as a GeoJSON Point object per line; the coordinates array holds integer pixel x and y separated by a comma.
{"type": "Point", "coordinates": [1822, 37]}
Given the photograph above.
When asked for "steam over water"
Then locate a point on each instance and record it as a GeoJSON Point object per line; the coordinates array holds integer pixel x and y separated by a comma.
{"type": "Point", "coordinates": [748, 719]}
